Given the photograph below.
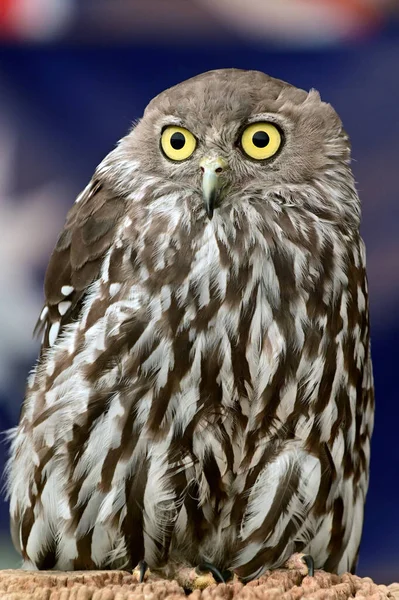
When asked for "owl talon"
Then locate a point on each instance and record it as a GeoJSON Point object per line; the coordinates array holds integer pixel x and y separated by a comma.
{"type": "Point", "coordinates": [143, 569]}
{"type": "Point", "coordinates": [303, 563]}
{"type": "Point", "coordinates": [219, 576]}
{"type": "Point", "coordinates": [309, 562]}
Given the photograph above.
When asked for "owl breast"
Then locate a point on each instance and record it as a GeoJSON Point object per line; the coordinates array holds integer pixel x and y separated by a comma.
{"type": "Point", "coordinates": [182, 413]}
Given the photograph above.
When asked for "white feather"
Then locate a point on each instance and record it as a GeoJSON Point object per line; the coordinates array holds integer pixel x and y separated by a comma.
{"type": "Point", "coordinates": [53, 333]}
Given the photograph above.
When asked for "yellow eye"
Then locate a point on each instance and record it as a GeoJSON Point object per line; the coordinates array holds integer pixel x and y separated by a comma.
{"type": "Point", "coordinates": [261, 140]}
{"type": "Point", "coordinates": [177, 143]}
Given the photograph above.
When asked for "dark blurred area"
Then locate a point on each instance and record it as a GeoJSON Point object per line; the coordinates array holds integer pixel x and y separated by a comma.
{"type": "Point", "coordinates": [74, 74]}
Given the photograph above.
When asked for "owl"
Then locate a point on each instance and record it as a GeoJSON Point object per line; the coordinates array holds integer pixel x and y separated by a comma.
{"type": "Point", "coordinates": [204, 391]}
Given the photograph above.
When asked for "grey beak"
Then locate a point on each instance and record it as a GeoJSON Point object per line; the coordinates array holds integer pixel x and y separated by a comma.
{"type": "Point", "coordinates": [211, 181]}
{"type": "Point", "coordinates": [210, 191]}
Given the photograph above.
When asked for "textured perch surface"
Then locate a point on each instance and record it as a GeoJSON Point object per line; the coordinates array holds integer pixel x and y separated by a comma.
{"type": "Point", "coordinates": [121, 585]}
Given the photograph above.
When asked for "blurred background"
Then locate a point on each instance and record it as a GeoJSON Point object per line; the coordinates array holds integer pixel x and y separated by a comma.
{"type": "Point", "coordinates": [74, 74]}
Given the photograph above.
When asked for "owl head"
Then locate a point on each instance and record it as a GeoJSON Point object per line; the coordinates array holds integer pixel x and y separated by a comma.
{"type": "Point", "coordinates": [230, 137]}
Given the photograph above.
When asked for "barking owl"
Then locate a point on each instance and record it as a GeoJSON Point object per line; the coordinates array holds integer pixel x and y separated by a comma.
{"type": "Point", "coordinates": [204, 391]}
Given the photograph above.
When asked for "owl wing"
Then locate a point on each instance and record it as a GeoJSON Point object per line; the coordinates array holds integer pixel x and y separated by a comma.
{"type": "Point", "coordinates": [77, 257]}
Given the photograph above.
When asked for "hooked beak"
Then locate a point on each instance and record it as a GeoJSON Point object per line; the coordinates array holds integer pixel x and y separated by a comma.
{"type": "Point", "coordinates": [211, 168]}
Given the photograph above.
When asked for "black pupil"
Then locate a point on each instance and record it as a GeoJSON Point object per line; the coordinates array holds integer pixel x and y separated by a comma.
{"type": "Point", "coordinates": [260, 139]}
{"type": "Point", "coordinates": [177, 140]}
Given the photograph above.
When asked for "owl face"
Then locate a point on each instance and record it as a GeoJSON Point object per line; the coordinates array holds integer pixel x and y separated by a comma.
{"type": "Point", "coordinates": [228, 134]}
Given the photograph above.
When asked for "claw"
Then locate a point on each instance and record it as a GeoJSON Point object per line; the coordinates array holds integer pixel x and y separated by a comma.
{"type": "Point", "coordinates": [303, 563]}
{"type": "Point", "coordinates": [309, 562]}
{"type": "Point", "coordinates": [219, 577]}
{"type": "Point", "coordinates": [143, 569]}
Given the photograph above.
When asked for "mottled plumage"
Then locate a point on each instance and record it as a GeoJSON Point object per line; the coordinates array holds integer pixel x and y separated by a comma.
{"type": "Point", "coordinates": [204, 390]}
